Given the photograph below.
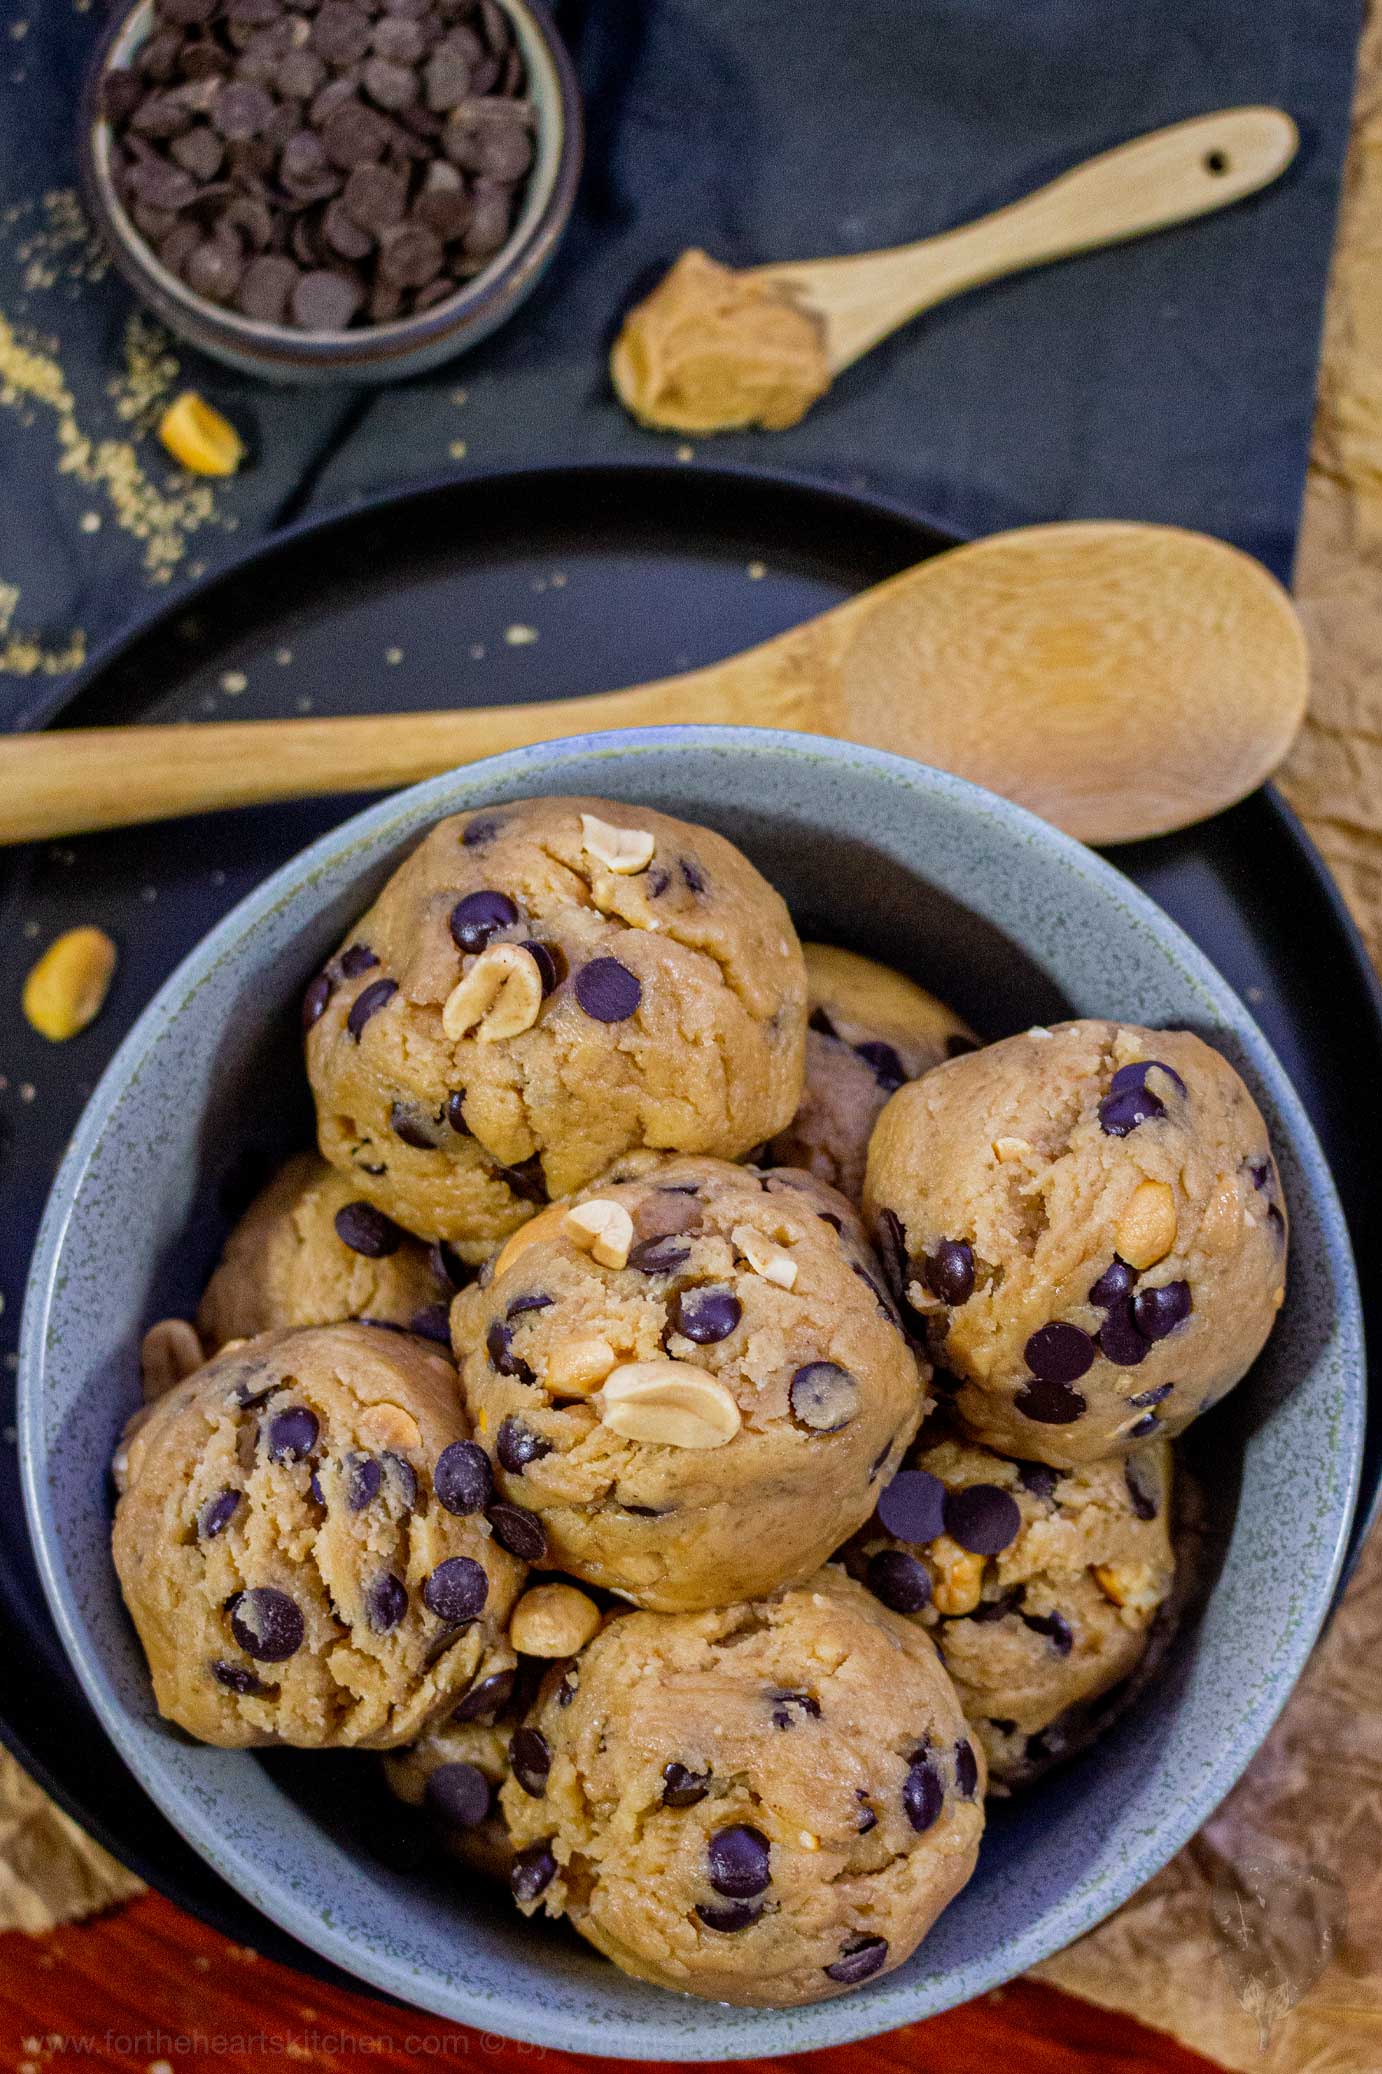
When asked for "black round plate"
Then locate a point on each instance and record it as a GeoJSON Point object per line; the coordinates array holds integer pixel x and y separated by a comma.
{"type": "Point", "coordinates": [476, 592]}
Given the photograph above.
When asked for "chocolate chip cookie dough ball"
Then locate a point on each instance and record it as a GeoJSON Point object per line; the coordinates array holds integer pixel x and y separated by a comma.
{"type": "Point", "coordinates": [870, 1030]}
{"type": "Point", "coordinates": [295, 1543]}
{"type": "Point", "coordinates": [539, 989]}
{"type": "Point", "coordinates": [1039, 1586]}
{"type": "Point", "coordinates": [453, 1774]}
{"type": "Point", "coordinates": [1090, 1222]}
{"type": "Point", "coordinates": [689, 1381]}
{"type": "Point", "coordinates": [311, 1251]}
{"type": "Point", "coordinates": [768, 1804]}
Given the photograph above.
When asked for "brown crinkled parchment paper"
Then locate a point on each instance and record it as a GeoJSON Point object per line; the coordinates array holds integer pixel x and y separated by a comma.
{"type": "Point", "coordinates": [1284, 1885]}
{"type": "Point", "coordinates": [1261, 1945]}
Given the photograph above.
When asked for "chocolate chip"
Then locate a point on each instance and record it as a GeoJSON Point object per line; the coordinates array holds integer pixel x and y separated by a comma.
{"type": "Point", "coordinates": [445, 206]}
{"type": "Point", "coordinates": [342, 234]}
{"type": "Point", "coordinates": [499, 1347]}
{"type": "Point", "coordinates": [1038, 1478]}
{"type": "Point", "coordinates": [550, 960]}
{"type": "Point", "coordinates": [410, 255]}
{"type": "Point", "coordinates": [607, 991]}
{"type": "Point", "coordinates": [485, 234]}
{"type": "Point", "coordinates": [456, 1591]}
{"type": "Point", "coordinates": [517, 1445]}
{"type": "Point", "coordinates": [326, 300]}
{"type": "Point", "coordinates": [1157, 1312]}
{"type": "Point", "coordinates": [1113, 1284]}
{"type": "Point", "coordinates": [892, 1250]}
{"type": "Point", "coordinates": [658, 1256]}
{"type": "Point", "coordinates": [888, 1069]}
{"type": "Point", "coordinates": [432, 1322]}
{"type": "Point", "coordinates": [1055, 1627]}
{"type": "Point", "coordinates": [983, 1518]}
{"type": "Point", "coordinates": [728, 1916]}
{"type": "Point", "coordinates": [404, 1478]}
{"type": "Point", "coordinates": [235, 1678]}
{"type": "Point", "coordinates": [705, 1315]}
{"type": "Point", "coordinates": [341, 33]}
{"type": "Point", "coordinates": [867, 1817]}
{"type": "Point", "coordinates": [463, 1479]}
{"type": "Point", "coordinates": [199, 152]}
{"type": "Point", "coordinates": [446, 1264]}
{"type": "Point", "coordinates": [531, 1759]}
{"type": "Point", "coordinates": [532, 1871]}
{"type": "Point", "coordinates": [293, 1434]}
{"type": "Point", "coordinates": [1119, 1339]}
{"type": "Point", "coordinates": [790, 1709]}
{"type": "Point", "coordinates": [389, 86]}
{"type": "Point", "coordinates": [1156, 1396]}
{"type": "Point", "coordinates": [989, 1610]}
{"type": "Point", "coordinates": [739, 1861]}
{"type": "Point", "coordinates": [367, 1230]}
{"type": "Point", "coordinates": [401, 42]}
{"type": "Point", "coordinates": [1059, 1353]}
{"type": "Point", "coordinates": [948, 1272]}
{"type": "Point", "coordinates": [860, 1958]}
{"type": "Point", "coordinates": [375, 198]}
{"type": "Point", "coordinates": [899, 1580]}
{"type": "Point", "coordinates": [1050, 1404]}
{"type": "Point", "coordinates": [368, 1002]}
{"type": "Point", "coordinates": [263, 294]}
{"type": "Point", "coordinates": [1144, 1426]}
{"type": "Point", "coordinates": [487, 1697]}
{"type": "Point", "coordinates": [521, 1533]}
{"type": "Point", "coordinates": [240, 112]}
{"type": "Point", "coordinates": [217, 1514]}
{"type": "Point", "coordinates": [533, 1301]}
{"type": "Point", "coordinates": [121, 94]}
{"type": "Point", "coordinates": [681, 1787]}
{"type": "Point", "coordinates": [1129, 1102]}
{"type": "Point", "coordinates": [460, 1794]}
{"type": "Point", "coordinates": [386, 1602]}
{"type": "Point", "coordinates": [266, 1623]}
{"type": "Point", "coordinates": [966, 1770]}
{"type": "Point", "coordinates": [526, 1181]}
{"type": "Point", "coordinates": [478, 917]}
{"type": "Point", "coordinates": [823, 1396]}
{"type": "Point", "coordinates": [923, 1796]}
{"type": "Point", "coordinates": [357, 959]}
{"type": "Point", "coordinates": [912, 1508]}
{"type": "Point", "coordinates": [481, 831]}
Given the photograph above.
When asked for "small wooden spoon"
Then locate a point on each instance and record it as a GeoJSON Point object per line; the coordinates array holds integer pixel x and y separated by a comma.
{"type": "Point", "coordinates": [1166, 177]}
{"type": "Point", "coordinates": [1119, 679]}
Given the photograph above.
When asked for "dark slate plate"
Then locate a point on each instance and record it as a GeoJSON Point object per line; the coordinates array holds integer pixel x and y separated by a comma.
{"type": "Point", "coordinates": [431, 600]}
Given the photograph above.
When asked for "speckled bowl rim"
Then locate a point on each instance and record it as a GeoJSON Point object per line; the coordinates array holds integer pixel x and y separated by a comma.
{"type": "Point", "coordinates": [476, 308]}
{"type": "Point", "coordinates": [895, 1999]}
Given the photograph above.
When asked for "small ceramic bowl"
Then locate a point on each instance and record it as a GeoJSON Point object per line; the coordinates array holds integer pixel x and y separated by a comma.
{"type": "Point", "coordinates": [376, 352]}
{"type": "Point", "coordinates": [1012, 922]}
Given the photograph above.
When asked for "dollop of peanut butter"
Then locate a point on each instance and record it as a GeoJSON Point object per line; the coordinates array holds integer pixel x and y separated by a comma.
{"type": "Point", "coordinates": [711, 350]}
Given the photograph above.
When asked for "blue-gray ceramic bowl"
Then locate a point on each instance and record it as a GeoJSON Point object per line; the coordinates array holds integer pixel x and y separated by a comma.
{"type": "Point", "coordinates": [1013, 922]}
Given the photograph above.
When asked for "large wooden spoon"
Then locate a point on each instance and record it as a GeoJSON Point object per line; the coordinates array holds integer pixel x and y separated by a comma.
{"type": "Point", "coordinates": [1119, 679]}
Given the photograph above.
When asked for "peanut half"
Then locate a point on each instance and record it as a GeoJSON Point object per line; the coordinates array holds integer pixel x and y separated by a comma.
{"type": "Point", "coordinates": [625, 850]}
{"type": "Point", "coordinates": [553, 1620]}
{"type": "Point", "coordinates": [168, 1353]}
{"type": "Point", "coordinates": [545, 1225]}
{"type": "Point", "coordinates": [774, 1263]}
{"type": "Point", "coordinates": [579, 1366]}
{"type": "Point", "coordinates": [67, 988]}
{"type": "Point", "coordinates": [958, 1576]}
{"type": "Point", "coordinates": [603, 1229]}
{"type": "Point", "coordinates": [670, 1403]}
{"type": "Point", "coordinates": [1135, 1586]}
{"type": "Point", "coordinates": [499, 997]}
{"type": "Point", "coordinates": [1146, 1227]}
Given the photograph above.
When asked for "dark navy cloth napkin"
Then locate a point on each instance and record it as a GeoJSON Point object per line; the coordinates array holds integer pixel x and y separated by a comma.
{"type": "Point", "coordinates": [1170, 379]}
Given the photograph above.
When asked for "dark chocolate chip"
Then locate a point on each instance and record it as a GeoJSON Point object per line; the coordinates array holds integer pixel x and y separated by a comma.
{"type": "Point", "coordinates": [480, 916]}
{"type": "Point", "coordinates": [1113, 1284]}
{"type": "Point", "coordinates": [265, 288]}
{"type": "Point", "coordinates": [527, 1182]}
{"type": "Point", "coordinates": [266, 1623]}
{"type": "Point", "coordinates": [892, 1250]}
{"type": "Point", "coordinates": [532, 1871]}
{"type": "Point", "coordinates": [455, 1113]}
{"type": "Point", "coordinates": [214, 268]}
{"type": "Point", "coordinates": [1147, 1424]}
{"type": "Point", "coordinates": [533, 1301]}
{"type": "Point", "coordinates": [517, 1445]}
{"type": "Point", "coordinates": [705, 1315]}
{"type": "Point", "coordinates": [356, 960]}
{"type": "Point", "coordinates": [899, 1580]}
{"type": "Point", "coordinates": [415, 1125]}
{"type": "Point", "coordinates": [404, 1477]}
{"type": "Point", "coordinates": [966, 1769]}
{"type": "Point", "coordinates": [217, 1514]}
{"type": "Point", "coordinates": [410, 255]}
{"type": "Point", "coordinates": [739, 1861]}
{"type": "Point", "coordinates": [949, 1271]}
{"type": "Point", "coordinates": [341, 33]}
{"type": "Point", "coordinates": [240, 112]}
{"type": "Point", "coordinates": [368, 1002]}
{"type": "Point", "coordinates": [463, 1479]}
{"type": "Point", "coordinates": [199, 152]}
{"type": "Point", "coordinates": [1050, 1404]}
{"type": "Point", "coordinates": [867, 1817]}
{"type": "Point", "coordinates": [480, 831]}
{"type": "Point", "coordinates": [487, 1697]}
{"type": "Point", "coordinates": [235, 1677]}
{"type": "Point", "coordinates": [823, 1396]}
{"type": "Point", "coordinates": [983, 1518]}
{"type": "Point", "coordinates": [343, 234]}
{"type": "Point", "coordinates": [1055, 1627]}
{"type": "Point", "coordinates": [1038, 1478]}
{"type": "Point", "coordinates": [658, 1256]}
{"type": "Point", "coordinates": [860, 1958]}
{"type": "Point", "coordinates": [364, 1476]}
{"type": "Point", "coordinates": [432, 1322]}
{"type": "Point", "coordinates": [293, 1434]}
{"type": "Point", "coordinates": [550, 960]}
{"type": "Point", "coordinates": [1157, 1312]}
{"type": "Point", "coordinates": [691, 872]}
{"type": "Point", "coordinates": [681, 1787]}
{"type": "Point", "coordinates": [923, 1795]}
{"type": "Point", "coordinates": [367, 1230]}
{"type": "Point", "coordinates": [1119, 1339]}
{"type": "Point", "coordinates": [531, 1759]}
{"type": "Point", "coordinates": [325, 300]}
{"type": "Point", "coordinates": [456, 1591]}
{"type": "Point", "coordinates": [790, 1709]}
{"type": "Point", "coordinates": [728, 1916]}
{"type": "Point", "coordinates": [460, 1794]}
{"type": "Point", "coordinates": [989, 1610]}
{"type": "Point", "coordinates": [386, 1602]}
{"type": "Point", "coordinates": [607, 990]}
{"type": "Point", "coordinates": [446, 1264]}
{"type": "Point", "coordinates": [1149, 1397]}
{"type": "Point", "coordinates": [521, 1533]}
{"type": "Point", "coordinates": [1129, 1102]}
{"type": "Point", "coordinates": [888, 1069]}
{"type": "Point", "coordinates": [1059, 1353]}
{"type": "Point", "coordinates": [499, 1346]}
{"type": "Point", "coordinates": [912, 1508]}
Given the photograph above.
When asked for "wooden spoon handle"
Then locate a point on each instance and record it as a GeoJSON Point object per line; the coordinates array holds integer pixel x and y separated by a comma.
{"type": "Point", "coordinates": [1166, 177]}
{"type": "Point", "coordinates": [69, 780]}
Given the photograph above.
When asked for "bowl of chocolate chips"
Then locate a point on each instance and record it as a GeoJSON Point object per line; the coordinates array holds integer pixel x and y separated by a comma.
{"type": "Point", "coordinates": [318, 190]}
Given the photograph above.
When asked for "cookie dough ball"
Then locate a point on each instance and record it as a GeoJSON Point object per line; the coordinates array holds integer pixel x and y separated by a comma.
{"type": "Point", "coordinates": [870, 1030]}
{"type": "Point", "coordinates": [1090, 1222]}
{"type": "Point", "coordinates": [1039, 1586]}
{"type": "Point", "coordinates": [295, 1546]}
{"type": "Point", "coordinates": [539, 989]}
{"type": "Point", "coordinates": [768, 1804]}
{"type": "Point", "coordinates": [692, 1379]}
{"type": "Point", "coordinates": [311, 1251]}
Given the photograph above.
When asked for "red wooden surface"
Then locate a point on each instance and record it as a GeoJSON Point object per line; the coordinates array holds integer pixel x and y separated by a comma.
{"type": "Point", "coordinates": [147, 1987]}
